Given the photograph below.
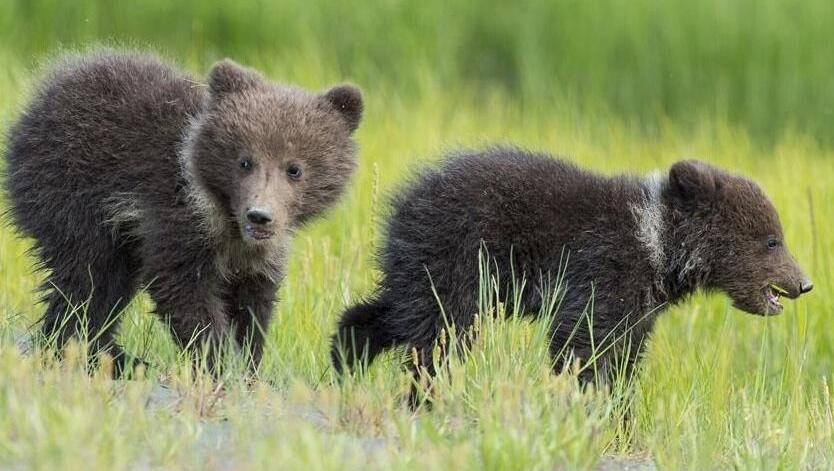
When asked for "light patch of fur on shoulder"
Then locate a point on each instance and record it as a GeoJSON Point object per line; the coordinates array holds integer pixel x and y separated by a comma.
{"type": "Point", "coordinates": [123, 213]}
{"type": "Point", "coordinates": [210, 215]}
{"type": "Point", "coordinates": [650, 223]}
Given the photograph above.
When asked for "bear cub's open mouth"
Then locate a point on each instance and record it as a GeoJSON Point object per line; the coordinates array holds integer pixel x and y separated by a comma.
{"type": "Point", "coordinates": [773, 293]}
{"type": "Point", "coordinates": [257, 233]}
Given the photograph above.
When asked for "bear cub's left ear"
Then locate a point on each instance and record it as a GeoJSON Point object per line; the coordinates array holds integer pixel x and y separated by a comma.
{"type": "Point", "coordinates": [226, 77]}
{"type": "Point", "coordinates": [692, 179]}
{"type": "Point", "coordinates": [347, 100]}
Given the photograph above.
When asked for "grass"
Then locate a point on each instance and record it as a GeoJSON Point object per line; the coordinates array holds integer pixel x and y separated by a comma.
{"type": "Point", "coordinates": [719, 389]}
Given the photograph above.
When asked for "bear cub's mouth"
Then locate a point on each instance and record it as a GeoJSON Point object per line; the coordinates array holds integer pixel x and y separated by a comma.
{"type": "Point", "coordinates": [773, 293]}
{"type": "Point", "coordinates": [257, 233]}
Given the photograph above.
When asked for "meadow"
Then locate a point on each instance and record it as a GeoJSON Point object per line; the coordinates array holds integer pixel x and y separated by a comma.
{"type": "Point", "coordinates": [613, 85]}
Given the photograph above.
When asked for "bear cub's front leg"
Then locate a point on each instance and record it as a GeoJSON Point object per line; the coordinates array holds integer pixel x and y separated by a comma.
{"type": "Point", "coordinates": [188, 297]}
{"type": "Point", "coordinates": [250, 301]}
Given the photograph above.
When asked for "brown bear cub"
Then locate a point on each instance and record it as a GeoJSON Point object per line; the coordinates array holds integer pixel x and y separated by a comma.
{"type": "Point", "coordinates": [624, 247]}
{"type": "Point", "coordinates": [128, 173]}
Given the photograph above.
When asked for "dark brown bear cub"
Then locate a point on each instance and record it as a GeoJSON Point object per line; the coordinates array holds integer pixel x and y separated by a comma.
{"type": "Point", "coordinates": [626, 248]}
{"type": "Point", "coordinates": [128, 173]}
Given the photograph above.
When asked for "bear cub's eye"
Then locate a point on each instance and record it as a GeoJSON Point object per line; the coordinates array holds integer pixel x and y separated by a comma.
{"type": "Point", "coordinates": [246, 164]}
{"type": "Point", "coordinates": [294, 171]}
{"type": "Point", "coordinates": [773, 242]}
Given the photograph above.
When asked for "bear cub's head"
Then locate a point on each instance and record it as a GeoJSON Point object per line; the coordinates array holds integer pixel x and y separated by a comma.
{"type": "Point", "coordinates": [269, 157]}
{"type": "Point", "coordinates": [734, 232]}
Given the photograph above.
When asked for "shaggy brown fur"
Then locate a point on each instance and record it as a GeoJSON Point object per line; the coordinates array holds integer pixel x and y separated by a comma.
{"type": "Point", "coordinates": [129, 173]}
{"type": "Point", "coordinates": [628, 247]}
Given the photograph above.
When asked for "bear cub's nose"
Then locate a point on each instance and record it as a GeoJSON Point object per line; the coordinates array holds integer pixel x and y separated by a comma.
{"type": "Point", "coordinates": [805, 286]}
{"type": "Point", "coordinates": [259, 216]}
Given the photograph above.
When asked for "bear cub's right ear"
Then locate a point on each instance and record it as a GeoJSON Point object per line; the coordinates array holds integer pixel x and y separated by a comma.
{"type": "Point", "coordinates": [692, 179]}
{"type": "Point", "coordinates": [347, 100]}
{"type": "Point", "coordinates": [227, 77]}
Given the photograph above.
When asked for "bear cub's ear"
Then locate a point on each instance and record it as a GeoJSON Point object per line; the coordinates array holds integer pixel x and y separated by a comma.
{"type": "Point", "coordinates": [227, 77]}
{"type": "Point", "coordinates": [692, 179]}
{"type": "Point", "coordinates": [347, 100]}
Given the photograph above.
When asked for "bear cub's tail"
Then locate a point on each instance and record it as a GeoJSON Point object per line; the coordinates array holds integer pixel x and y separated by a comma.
{"type": "Point", "coordinates": [361, 336]}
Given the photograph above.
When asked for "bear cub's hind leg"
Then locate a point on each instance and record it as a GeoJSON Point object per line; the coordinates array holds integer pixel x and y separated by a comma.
{"type": "Point", "coordinates": [86, 301]}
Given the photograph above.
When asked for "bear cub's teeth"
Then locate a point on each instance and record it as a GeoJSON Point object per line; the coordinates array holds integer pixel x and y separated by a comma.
{"type": "Point", "coordinates": [773, 294]}
{"type": "Point", "coordinates": [257, 233]}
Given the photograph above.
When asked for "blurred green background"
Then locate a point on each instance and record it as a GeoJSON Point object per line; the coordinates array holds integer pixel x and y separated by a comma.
{"type": "Point", "coordinates": [760, 64]}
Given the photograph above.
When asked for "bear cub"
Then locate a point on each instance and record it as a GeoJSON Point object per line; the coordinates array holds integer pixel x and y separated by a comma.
{"type": "Point", "coordinates": [624, 247]}
{"type": "Point", "coordinates": [129, 173]}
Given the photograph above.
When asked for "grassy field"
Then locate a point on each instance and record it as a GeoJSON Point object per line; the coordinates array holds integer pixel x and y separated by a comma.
{"type": "Point", "coordinates": [744, 85]}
